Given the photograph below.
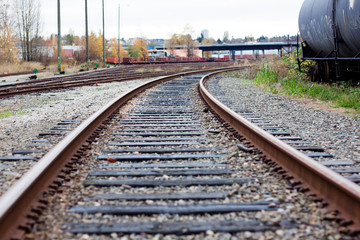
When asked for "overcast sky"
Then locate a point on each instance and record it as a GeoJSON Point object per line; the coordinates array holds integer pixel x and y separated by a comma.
{"type": "Point", "coordinates": [162, 18]}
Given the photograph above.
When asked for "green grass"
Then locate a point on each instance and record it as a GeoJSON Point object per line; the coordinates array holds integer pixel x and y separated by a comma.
{"type": "Point", "coordinates": [9, 113]}
{"type": "Point", "coordinates": [236, 74]}
{"type": "Point", "coordinates": [297, 84]}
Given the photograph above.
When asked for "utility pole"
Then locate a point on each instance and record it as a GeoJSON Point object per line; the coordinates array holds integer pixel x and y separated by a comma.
{"type": "Point", "coordinates": [119, 34]}
{"type": "Point", "coordinates": [59, 36]}
{"type": "Point", "coordinates": [87, 36]}
{"type": "Point", "coordinates": [104, 54]}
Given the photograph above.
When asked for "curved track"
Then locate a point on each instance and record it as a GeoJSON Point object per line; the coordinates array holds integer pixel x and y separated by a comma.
{"type": "Point", "coordinates": [318, 178]}
{"type": "Point", "coordinates": [100, 76]}
{"type": "Point", "coordinates": [341, 193]}
{"type": "Point", "coordinates": [16, 202]}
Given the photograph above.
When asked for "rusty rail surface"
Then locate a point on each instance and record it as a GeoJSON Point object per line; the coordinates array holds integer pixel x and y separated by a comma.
{"type": "Point", "coordinates": [18, 201]}
{"type": "Point", "coordinates": [339, 192]}
{"type": "Point", "coordinates": [90, 78]}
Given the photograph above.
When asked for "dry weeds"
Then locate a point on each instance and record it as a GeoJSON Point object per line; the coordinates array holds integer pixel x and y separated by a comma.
{"type": "Point", "coordinates": [19, 67]}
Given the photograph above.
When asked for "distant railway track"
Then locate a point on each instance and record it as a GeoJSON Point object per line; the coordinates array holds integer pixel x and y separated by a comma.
{"type": "Point", "coordinates": [167, 150]}
{"type": "Point", "coordinates": [15, 74]}
{"type": "Point", "coordinates": [122, 73]}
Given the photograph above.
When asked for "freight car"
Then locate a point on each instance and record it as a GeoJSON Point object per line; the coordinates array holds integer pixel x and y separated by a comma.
{"type": "Point", "coordinates": [330, 36]}
{"type": "Point", "coordinates": [149, 60]}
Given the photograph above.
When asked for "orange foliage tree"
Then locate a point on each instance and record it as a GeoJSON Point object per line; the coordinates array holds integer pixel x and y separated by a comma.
{"type": "Point", "coordinates": [113, 49]}
{"type": "Point", "coordinates": [184, 39]}
{"type": "Point", "coordinates": [95, 47]}
{"type": "Point", "coordinates": [138, 49]}
{"type": "Point", "coordinates": [172, 43]}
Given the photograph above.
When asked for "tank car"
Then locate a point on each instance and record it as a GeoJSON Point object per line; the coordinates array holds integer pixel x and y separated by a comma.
{"type": "Point", "coordinates": [330, 35]}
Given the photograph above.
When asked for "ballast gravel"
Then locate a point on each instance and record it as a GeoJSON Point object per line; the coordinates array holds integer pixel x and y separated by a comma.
{"type": "Point", "coordinates": [314, 222]}
{"type": "Point", "coordinates": [339, 135]}
{"type": "Point", "coordinates": [25, 116]}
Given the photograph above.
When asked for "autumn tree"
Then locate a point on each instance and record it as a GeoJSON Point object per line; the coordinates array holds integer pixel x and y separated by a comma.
{"type": "Point", "coordinates": [138, 49]}
{"type": "Point", "coordinates": [95, 47]}
{"type": "Point", "coordinates": [249, 38]}
{"type": "Point", "coordinates": [8, 50]}
{"type": "Point", "coordinates": [172, 43]}
{"type": "Point", "coordinates": [184, 39]}
{"type": "Point", "coordinates": [28, 27]}
{"type": "Point", "coordinates": [189, 44]}
{"type": "Point", "coordinates": [113, 49]}
{"type": "Point", "coordinates": [187, 40]}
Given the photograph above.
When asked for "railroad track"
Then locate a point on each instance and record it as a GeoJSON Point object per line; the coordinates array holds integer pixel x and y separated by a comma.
{"type": "Point", "coordinates": [123, 73]}
{"type": "Point", "coordinates": [163, 166]}
{"type": "Point", "coordinates": [347, 168]}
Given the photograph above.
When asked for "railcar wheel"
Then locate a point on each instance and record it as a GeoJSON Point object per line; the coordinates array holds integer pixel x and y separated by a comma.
{"type": "Point", "coordinates": [325, 71]}
{"type": "Point", "coordinates": [313, 72]}
{"type": "Point", "coordinates": [319, 72]}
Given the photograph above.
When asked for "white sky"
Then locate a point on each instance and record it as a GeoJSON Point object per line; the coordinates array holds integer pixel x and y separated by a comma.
{"type": "Point", "coordinates": [162, 18]}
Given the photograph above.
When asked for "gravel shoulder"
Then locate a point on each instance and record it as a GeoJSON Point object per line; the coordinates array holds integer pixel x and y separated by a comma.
{"type": "Point", "coordinates": [4, 80]}
{"type": "Point", "coordinates": [337, 133]}
{"type": "Point", "coordinates": [36, 113]}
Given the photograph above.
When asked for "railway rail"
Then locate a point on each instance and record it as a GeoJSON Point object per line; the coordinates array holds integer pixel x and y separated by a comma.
{"type": "Point", "coordinates": [100, 76]}
{"type": "Point", "coordinates": [182, 180]}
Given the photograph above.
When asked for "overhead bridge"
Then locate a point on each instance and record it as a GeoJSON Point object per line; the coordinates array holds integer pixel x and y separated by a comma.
{"type": "Point", "coordinates": [254, 47]}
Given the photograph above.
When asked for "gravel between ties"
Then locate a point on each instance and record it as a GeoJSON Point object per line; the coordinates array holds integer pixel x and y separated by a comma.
{"type": "Point", "coordinates": [338, 135]}
{"type": "Point", "coordinates": [297, 207]}
{"type": "Point", "coordinates": [50, 108]}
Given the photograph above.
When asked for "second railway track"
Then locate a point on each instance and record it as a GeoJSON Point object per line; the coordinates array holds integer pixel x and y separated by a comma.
{"type": "Point", "coordinates": [119, 74]}
{"type": "Point", "coordinates": [163, 166]}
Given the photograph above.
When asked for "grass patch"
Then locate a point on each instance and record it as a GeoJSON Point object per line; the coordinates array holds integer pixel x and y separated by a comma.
{"type": "Point", "coordinates": [158, 69]}
{"type": "Point", "coordinates": [236, 74]}
{"type": "Point", "coordinates": [19, 67]}
{"type": "Point", "coordinates": [70, 67]}
{"type": "Point", "coordinates": [9, 113]}
{"type": "Point", "coordinates": [140, 70]}
{"type": "Point", "coordinates": [280, 76]}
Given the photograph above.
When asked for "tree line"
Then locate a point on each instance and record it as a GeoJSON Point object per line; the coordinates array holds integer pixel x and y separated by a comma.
{"type": "Point", "coordinates": [20, 38]}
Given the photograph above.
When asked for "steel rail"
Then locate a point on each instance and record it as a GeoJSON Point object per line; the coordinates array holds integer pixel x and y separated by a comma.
{"type": "Point", "coordinates": [75, 80]}
{"type": "Point", "coordinates": [99, 73]}
{"type": "Point", "coordinates": [68, 84]}
{"type": "Point", "coordinates": [340, 193]}
{"type": "Point", "coordinates": [18, 201]}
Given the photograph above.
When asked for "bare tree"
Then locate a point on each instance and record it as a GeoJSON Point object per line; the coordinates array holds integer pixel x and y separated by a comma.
{"type": "Point", "coordinates": [187, 40]}
{"type": "Point", "coordinates": [8, 49]}
{"type": "Point", "coordinates": [189, 44]}
{"type": "Point", "coordinates": [28, 26]}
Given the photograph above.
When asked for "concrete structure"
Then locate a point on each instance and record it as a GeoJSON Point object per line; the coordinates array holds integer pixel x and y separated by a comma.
{"type": "Point", "coordinates": [256, 48]}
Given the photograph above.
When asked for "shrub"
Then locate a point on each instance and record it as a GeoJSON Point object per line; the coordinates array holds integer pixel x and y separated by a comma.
{"type": "Point", "coordinates": [271, 75]}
